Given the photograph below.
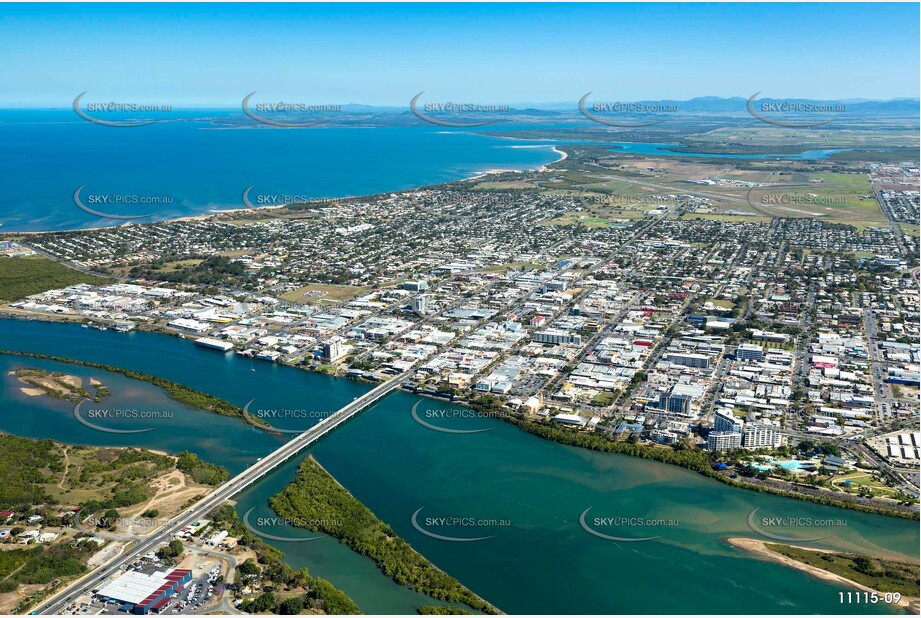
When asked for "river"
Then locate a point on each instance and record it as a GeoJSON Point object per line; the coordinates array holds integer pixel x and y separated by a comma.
{"type": "Point", "coordinates": [522, 495]}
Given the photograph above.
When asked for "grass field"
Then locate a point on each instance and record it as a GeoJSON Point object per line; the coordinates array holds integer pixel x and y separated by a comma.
{"type": "Point", "coordinates": [501, 268]}
{"type": "Point", "coordinates": [718, 217]}
{"type": "Point", "coordinates": [578, 218]}
{"type": "Point", "coordinates": [863, 479]}
{"type": "Point", "coordinates": [864, 133]}
{"type": "Point", "coordinates": [167, 266]}
{"type": "Point", "coordinates": [772, 345]}
{"type": "Point", "coordinates": [497, 185]}
{"type": "Point", "coordinates": [839, 197]}
{"type": "Point", "coordinates": [24, 276]}
{"type": "Point", "coordinates": [320, 293]}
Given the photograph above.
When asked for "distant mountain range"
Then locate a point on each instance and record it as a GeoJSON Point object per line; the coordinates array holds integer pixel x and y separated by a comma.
{"type": "Point", "coordinates": [730, 104]}
{"type": "Point", "coordinates": [695, 105]}
{"type": "Point", "coordinates": [551, 109]}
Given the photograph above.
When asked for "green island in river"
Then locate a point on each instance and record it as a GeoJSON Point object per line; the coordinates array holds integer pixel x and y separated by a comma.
{"type": "Point", "coordinates": [177, 392]}
{"type": "Point", "coordinates": [317, 498]}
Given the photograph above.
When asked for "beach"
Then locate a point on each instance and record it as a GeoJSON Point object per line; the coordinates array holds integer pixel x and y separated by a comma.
{"type": "Point", "coordinates": [759, 547]}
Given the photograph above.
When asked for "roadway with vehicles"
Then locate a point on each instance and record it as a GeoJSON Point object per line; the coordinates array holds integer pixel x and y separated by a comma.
{"type": "Point", "coordinates": [261, 468]}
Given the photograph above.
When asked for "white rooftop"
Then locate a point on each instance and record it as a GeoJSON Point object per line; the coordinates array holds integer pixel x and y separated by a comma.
{"type": "Point", "coordinates": [133, 587]}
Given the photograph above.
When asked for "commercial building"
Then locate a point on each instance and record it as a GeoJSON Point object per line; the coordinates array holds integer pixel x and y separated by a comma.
{"type": "Point", "coordinates": [141, 593]}
{"type": "Point", "coordinates": [214, 344]}
{"type": "Point", "coordinates": [552, 335]}
{"type": "Point", "coordinates": [678, 399]}
{"type": "Point", "coordinates": [416, 286]}
{"type": "Point", "coordinates": [420, 304]}
{"type": "Point", "coordinates": [573, 420]}
{"type": "Point", "coordinates": [699, 361]}
{"type": "Point", "coordinates": [749, 351]}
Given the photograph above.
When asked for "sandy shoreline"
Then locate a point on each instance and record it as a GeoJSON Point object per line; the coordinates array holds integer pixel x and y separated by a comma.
{"type": "Point", "coordinates": [543, 168]}
{"type": "Point", "coordinates": [563, 155]}
{"type": "Point", "coordinates": [759, 547]}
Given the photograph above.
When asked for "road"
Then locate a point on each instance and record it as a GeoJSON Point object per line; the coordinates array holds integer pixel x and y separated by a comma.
{"type": "Point", "coordinates": [262, 467]}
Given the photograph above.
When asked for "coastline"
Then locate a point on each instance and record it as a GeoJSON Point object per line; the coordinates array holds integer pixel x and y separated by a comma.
{"type": "Point", "coordinates": [213, 212]}
{"type": "Point", "coordinates": [543, 168]}
{"type": "Point", "coordinates": [563, 156]}
{"type": "Point", "coordinates": [760, 548]}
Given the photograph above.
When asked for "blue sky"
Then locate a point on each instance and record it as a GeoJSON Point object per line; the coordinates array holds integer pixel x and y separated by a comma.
{"type": "Point", "coordinates": [201, 54]}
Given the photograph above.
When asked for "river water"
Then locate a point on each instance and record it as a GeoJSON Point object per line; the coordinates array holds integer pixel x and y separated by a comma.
{"type": "Point", "coordinates": [522, 496]}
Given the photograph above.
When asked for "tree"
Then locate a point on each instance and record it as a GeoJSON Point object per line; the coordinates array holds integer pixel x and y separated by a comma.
{"type": "Point", "coordinates": [291, 606]}
{"type": "Point", "coordinates": [249, 567]}
{"type": "Point", "coordinates": [172, 550]}
{"type": "Point", "coordinates": [263, 603]}
{"type": "Point", "coordinates": [108, 520]}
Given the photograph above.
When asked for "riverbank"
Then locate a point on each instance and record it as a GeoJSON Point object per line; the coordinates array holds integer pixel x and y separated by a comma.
{"type": "Point", "coordinates": [695, 460]}
{"type": "Point", "coordinates": [761, 548]}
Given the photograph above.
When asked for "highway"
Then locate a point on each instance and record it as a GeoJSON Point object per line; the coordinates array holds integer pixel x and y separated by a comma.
{"type": "Point", "coordinates": [57, 602]}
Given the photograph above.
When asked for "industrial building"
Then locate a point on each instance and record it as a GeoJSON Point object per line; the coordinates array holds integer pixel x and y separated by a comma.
{"type": "Point", "coordinates": [142, 593]}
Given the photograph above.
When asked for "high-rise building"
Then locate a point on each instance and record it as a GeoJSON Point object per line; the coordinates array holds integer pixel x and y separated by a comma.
{"type": "Point", "coordinates": [333, 350]}
{"type": "Point", "coordinates": [726, 421]}
{"type": "Point", "coordinates": [762, 434]}
{"type": "Point", "coordinates": [678, 399]}
{"type": "Point", "coordinates": [416, 286]}
{"type": "Point", "coordinates": [420, 304]}
{"type": "Point", "coordinates": [719, 441]}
